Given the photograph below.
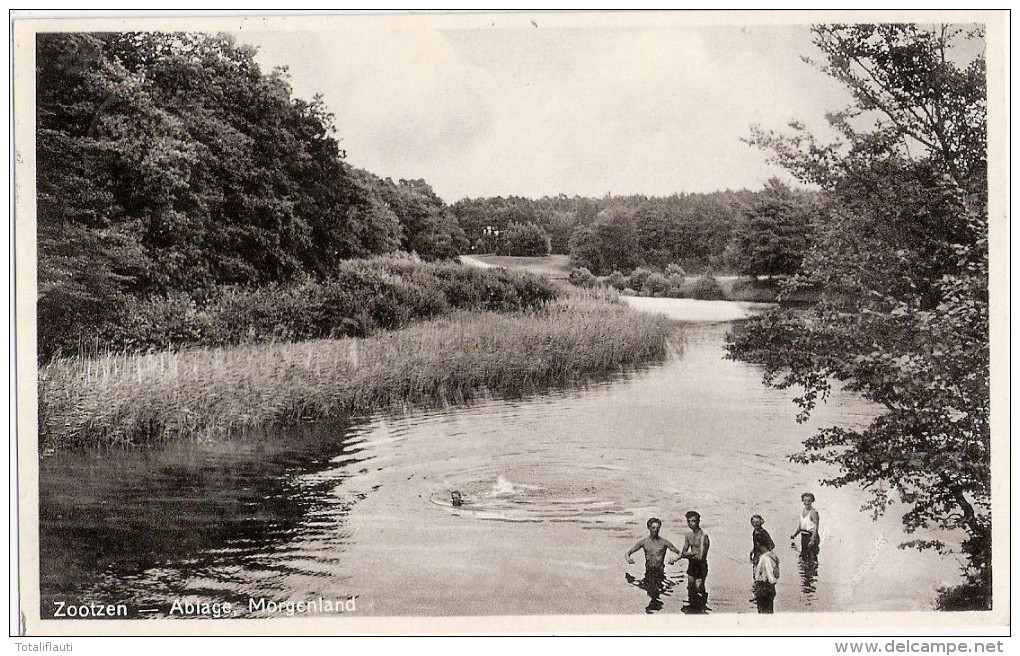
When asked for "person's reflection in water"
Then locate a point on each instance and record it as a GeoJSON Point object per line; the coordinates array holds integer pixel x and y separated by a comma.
{"type": "Point", "coordinates": [808, 573]}
{"type": "Point", "coordinates": [656, 584]}
{"type": "Point", "coordinates": [697, 602]}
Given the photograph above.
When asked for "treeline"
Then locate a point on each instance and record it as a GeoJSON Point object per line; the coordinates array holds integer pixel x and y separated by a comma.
{"type": "Point", "coordinates": [765, 232]}
{"type": "Point", "coordinates": [169, 163]}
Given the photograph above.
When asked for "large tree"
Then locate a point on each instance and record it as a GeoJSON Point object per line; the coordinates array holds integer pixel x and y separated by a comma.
{"type": "Point", "coordinates": [902, 257]}
{"type": "Point", "coordinates": [609, 244]}
{"type": "Point", "coordinates": [428, 226]}
{"type": "Point", "coordinates": [775, 232]}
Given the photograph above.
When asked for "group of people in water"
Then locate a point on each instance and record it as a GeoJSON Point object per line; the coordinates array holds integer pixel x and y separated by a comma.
{"type": "Point", "coordinates": [764, 562]}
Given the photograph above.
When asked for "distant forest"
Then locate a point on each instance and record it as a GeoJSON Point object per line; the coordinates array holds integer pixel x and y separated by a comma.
{"type": "Point", "coordinates": [170, 164]}
{"type": "Point", "coordinates": [757, 233]}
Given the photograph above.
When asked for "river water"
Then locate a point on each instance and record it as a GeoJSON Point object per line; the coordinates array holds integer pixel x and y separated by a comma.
{"type": "Point", "coordinates": [556, 489]}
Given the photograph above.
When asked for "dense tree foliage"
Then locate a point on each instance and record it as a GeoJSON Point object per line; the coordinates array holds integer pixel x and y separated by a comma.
{"type": "Point", "coordinates": [609, 244]}
{"type": "Point", "coordinates": [902, 255]}
{"type": "Point", "coordinates": [170, 162]}
{"type": "Point", "coordinates": [428, 227]}
{"type": "Point", "coordinates": [775, 232]}
{"type": "Point", "coordinates": [695, 231]}
{"type": "Point", "coordinates": [523, 239]}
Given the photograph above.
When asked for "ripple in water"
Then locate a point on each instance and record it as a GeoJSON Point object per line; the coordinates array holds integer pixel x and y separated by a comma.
{"type": "Point", "coordinates": [509, 501]}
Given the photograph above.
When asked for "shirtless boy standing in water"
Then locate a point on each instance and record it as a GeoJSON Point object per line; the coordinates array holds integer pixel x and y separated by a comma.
{"type": "Point", "coordinates": [696, 545]}
{"type": "Point", "coordinates": [655, 550]}
{"type": "Point", "coordinates": [655, 582]}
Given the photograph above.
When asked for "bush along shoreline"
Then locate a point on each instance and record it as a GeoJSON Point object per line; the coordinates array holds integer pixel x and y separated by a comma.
{"type": "Point", "coordinates": [357, 299]}
{"type": "Point", "coordinates": [200, 393]}
{"type": "Point", "coordinates": [674, 282]}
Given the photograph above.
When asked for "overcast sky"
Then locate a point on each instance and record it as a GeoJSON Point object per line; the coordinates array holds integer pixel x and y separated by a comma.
{"type": "Point", "coordinates": [535, 111]}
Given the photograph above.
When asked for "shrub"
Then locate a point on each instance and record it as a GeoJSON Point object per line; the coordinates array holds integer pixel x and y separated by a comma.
{"type": "Point", "coordinates": [524, 239]}
{"type": "Point", "coordinates": [657, 285]}
{"type": "Point", "coordinates": [616, 280]}
{"type": "Point", "coordinates": [707, 288]}
{"type": "Point", "coordinates": [581, 277]}
{"type": "Point", "coordinates": [160, 322]}
{"type": "Point", "coordinates": [754, 291]}
{"type": "Point", "coordinates": [356, 299]}
{"type": "Point", "coordinates": [674, 270]}
{"type": "Point", "coordinates": [638, 277]}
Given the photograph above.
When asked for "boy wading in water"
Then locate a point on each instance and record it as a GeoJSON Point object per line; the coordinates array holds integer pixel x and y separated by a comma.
{"type": "Point", "coordinates": [696, 545]}
{"type": "Point", "coordinates": [764, 566]}
{"type": "Point", "coordinates": [808, 529]}
{"type": "Point", "coordinates": [655, 548]}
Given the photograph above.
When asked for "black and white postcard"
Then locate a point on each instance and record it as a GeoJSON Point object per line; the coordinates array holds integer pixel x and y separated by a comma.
{"type": "Point", "coordinates": [575, 322]}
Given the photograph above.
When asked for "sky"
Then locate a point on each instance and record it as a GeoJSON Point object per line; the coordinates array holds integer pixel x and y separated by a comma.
{"type": "Point", "coordinates": [532, 109]}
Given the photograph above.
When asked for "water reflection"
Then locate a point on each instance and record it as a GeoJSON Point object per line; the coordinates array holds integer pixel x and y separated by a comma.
{"type": "Point", "coordinates": [697, 600]}
{"type": "Point", "coordinates": [808, 564]}
{"type": "Point", "coordinates": [763, 597]}
{"type": "Point", "coordinates": [656, 584]}
{"type": "Point", "coordinates": [194, 521]}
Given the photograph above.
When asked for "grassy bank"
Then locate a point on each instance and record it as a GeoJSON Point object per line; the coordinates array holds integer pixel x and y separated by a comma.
{"type": "Point", "coordinates": [556, 267]}
{"type": "Point", "coordinates": [199, 393]}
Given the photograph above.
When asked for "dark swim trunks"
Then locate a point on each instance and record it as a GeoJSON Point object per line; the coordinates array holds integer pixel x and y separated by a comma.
{"type": "Point", "coordinates": [697, 569]}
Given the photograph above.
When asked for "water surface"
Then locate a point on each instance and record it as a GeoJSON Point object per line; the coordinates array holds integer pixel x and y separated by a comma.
{"type": "Point", "coordinates": [556, 489]}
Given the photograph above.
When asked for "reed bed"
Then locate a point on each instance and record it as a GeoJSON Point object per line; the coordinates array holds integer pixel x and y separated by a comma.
{"type": "Point", "coordinates": [206, 392]}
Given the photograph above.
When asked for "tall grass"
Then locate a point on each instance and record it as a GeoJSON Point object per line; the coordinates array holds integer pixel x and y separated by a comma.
{"type": "Point", "coordinates": [201, 393]}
